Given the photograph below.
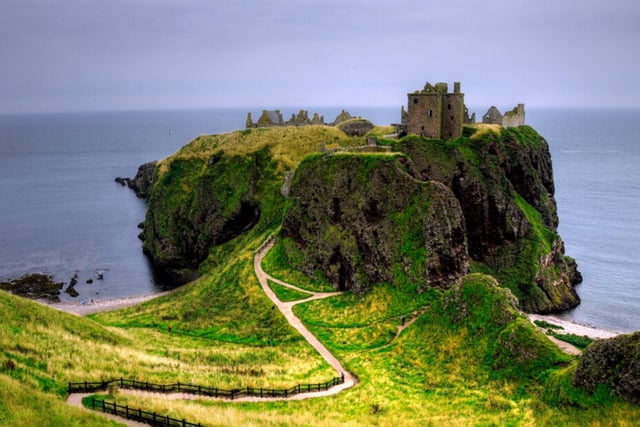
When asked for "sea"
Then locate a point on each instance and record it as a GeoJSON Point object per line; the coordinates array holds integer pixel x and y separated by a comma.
{"type": "Point", "coordinates": [63, 214]}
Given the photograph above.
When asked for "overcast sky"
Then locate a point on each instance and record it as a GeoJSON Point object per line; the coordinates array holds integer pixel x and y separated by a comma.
{"type": "Point", "coordinates": [78, 55]}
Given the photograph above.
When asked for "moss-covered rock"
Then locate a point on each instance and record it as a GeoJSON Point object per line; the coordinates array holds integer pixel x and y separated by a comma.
{"type": "Point", "coordinates": [512, 346]}
{"type": "Point", "coordinates": [361, 220]}
{"type": "Point", "coordinates": [614, 363]}
{"type": "Point", "coordinates": [504, 183]}
{"type": "Point", "coordinates": [182, 225]}
{"type": "Point", "coordinates": [356, 127]}
{"type": "Point", "coordinates": [217, 187]}
{"type": "Point", "coordinates": [415, 218]}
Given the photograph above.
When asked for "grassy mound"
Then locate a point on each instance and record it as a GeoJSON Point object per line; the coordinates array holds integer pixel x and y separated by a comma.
{"type": "Point", "coordinates": [467, 357]}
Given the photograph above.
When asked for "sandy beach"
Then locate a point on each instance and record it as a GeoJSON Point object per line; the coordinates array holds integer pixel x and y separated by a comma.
{"type": "Point", "coordinates": [96, 305]}
{"type": "Point", "coordinates": [574, 328]}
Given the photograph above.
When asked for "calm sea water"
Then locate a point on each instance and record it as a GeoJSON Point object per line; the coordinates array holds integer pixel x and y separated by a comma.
{"type": "Point", "coordinates": [62, 213]}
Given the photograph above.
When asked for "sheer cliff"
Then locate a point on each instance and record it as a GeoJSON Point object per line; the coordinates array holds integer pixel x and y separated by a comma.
{"type": "Point", "coordinates": [422, 214]}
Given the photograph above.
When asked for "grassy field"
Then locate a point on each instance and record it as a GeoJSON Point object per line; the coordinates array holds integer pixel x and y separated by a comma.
{"type": "Point", "coordinates": [468, 360]}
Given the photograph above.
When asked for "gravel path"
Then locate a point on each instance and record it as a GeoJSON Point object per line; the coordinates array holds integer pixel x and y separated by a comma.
{"type": "Point", "coordinates": [75, 399]}
{"type": "Point", "coordinates": [287, 310]}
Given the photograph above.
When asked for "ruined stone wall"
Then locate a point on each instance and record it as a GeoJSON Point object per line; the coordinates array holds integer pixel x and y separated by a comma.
{"type": "Point", "coordinates": [514, 117]}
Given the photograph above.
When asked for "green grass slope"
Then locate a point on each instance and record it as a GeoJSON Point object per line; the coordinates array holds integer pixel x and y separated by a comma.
{"type": "Point", "coordinates": [468, 359]}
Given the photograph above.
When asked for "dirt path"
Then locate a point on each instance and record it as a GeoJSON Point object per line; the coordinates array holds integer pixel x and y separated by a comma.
{"type": "Point", "coordinates": [75, 399]}
{"type": "Point", "coordinates": [401, 328]}
{"type": "Point", "coordinates": [287, 310]}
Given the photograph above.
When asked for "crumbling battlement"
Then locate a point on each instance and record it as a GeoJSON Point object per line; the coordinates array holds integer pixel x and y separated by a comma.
{"type": "Point", "coordinates": [272, 118]}
{"type": "Point", "coordinates": [511, 118]}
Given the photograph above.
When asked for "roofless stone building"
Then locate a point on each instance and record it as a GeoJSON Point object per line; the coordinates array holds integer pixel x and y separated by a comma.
{"type": "Point", "coordinates": [434, 112]}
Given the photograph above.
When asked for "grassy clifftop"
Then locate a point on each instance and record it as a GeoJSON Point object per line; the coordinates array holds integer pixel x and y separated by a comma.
{"type": "Point", "coordinates": [467, 358]}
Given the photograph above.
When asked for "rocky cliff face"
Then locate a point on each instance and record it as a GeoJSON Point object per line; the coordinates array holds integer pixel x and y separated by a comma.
{"type": "Point", "coordinates": [506, 222]}
{"type": "Point", "coordinates": [416, 218]}
{"type": "Point", "coordinates": [505, 186]}
{"type": "Point", "coordinates": [361, 220]}
{"type": "Point", "coordinates": [196, 205]}
{"type": "Point", "coordinates": [142, 183]}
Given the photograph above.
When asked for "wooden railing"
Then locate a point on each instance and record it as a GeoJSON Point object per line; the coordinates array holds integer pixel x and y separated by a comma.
{"type": "Point", "coordinates": [157, 420]}
{"type": "Point", "coordinates": [89, 387]}
{"type": "Point", "coordinates": [139, 415]}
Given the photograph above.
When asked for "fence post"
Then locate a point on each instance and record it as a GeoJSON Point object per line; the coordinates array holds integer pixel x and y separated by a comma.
{"type": "Point", "coordinates": [126, 410]}
{"type": "Point", "coordinates": [121, 382]}
{"type": "Point", "coordinates": [298, 388]}
{"type": "Point", "coordinates": [93, 403]}
{"type": "Point", "coordinates": [178, 386]}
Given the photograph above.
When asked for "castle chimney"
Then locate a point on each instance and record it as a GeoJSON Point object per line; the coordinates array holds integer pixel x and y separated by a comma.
{"type": "Point", "coordinates": [456, 87]}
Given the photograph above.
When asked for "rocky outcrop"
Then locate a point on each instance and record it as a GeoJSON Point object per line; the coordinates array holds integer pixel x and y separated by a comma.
{"type": "Point", "coordinates": [34, 286]}
{"type": "Point", "coordinates": [504, 184]}
{"type": "Point", "coordinates": [196, 205]}
{"type": "Point", "coordinates": [415, 215]}
{"type": "Point", "coordinates": [356, 127]}
{"type": "Point", "coordinates": [361, 220]}
{"type": "Point", "coordinates": [613, 363]}
{"type": "Point", "coordinates": [142, 183]}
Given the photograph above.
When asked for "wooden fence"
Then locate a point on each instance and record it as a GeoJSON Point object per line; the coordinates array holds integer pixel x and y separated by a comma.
{"type": "Point", "coordinates": [146, 417]}
{"type": "Point", "coordinates": [89, 387]}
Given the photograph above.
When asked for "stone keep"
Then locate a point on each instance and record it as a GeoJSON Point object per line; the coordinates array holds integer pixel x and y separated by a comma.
{"type": "Point", "coordinates": [434, 112]}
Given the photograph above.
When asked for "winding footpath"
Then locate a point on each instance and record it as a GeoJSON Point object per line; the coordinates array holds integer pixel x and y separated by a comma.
{"type": "Point", "coordinates": [286, 308]}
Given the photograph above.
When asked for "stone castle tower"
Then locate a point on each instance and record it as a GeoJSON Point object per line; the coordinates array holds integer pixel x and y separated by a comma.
{"type": "Point", "coordinates": [434, 112]}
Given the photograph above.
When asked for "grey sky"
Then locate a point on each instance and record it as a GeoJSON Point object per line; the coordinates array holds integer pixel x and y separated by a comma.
{"type": "Point", "coordinates": [76, 55]}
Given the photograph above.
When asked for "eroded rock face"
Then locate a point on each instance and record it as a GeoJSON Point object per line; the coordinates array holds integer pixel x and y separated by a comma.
{"type": "Point", "coordinates": [504, 183]}
{"type": "Point", "coordinates": [361, 220]}
{"type": "Point", "coordinates": [614, 362]}
{"type": "Point", "coordinates": [198, 205]}
{"type": "Point", "coordinates": [142, 183]}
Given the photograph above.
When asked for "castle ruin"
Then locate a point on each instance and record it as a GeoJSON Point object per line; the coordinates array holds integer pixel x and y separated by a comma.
{"type": "Point", "coordinates": [434, 112]}
{"type": "Point", "coordinates": [273, 118]}
{"type": "Point", "coordinates": [511, 118]}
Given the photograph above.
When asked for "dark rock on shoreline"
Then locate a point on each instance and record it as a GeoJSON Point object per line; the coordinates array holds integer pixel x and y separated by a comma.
{"type": "Point", "coordinates": [71, 289]}
{"type": "Point", "coordinates": [34, 286]}
{"type": "Point", "coordinates": [143, 181]}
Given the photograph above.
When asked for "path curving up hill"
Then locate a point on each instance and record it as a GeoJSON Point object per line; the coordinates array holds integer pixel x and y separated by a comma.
{"type": "Point", "coordinates": [287, 310]}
